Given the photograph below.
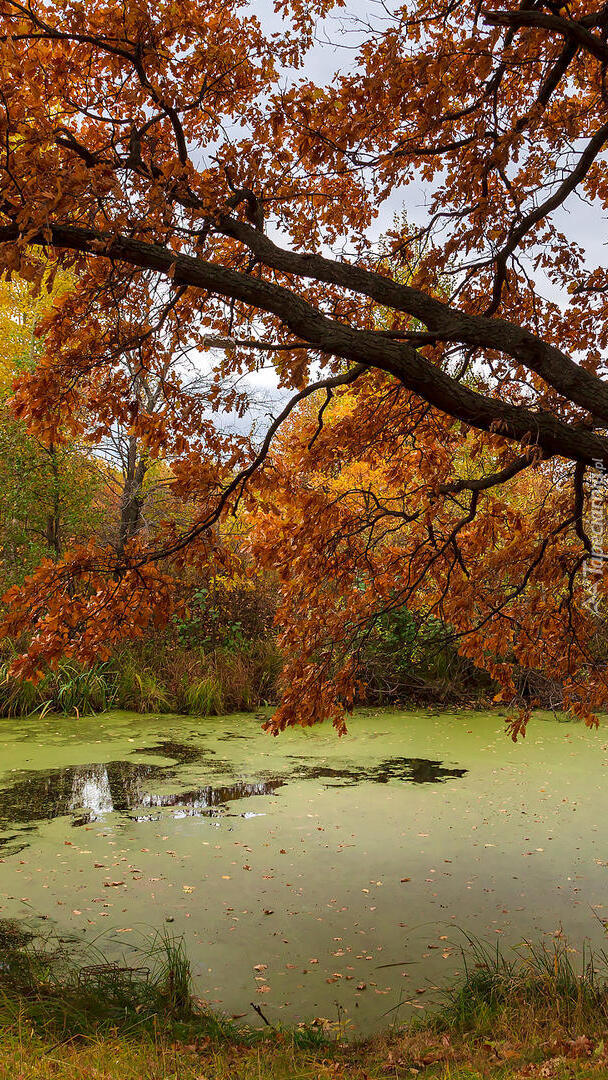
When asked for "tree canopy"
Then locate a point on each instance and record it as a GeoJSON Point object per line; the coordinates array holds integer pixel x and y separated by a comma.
{"type": "Point", "coordinates": [204, 190]}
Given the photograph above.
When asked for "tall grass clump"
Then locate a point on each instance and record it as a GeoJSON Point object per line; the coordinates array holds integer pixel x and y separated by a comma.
{"type": "Point", "coordinates": [171, 974]}
{"type": "Point", "coordinates": [538, 986]}
{"type": "Point", "coordinates": [74, 688]}
{"type": "Point", "coordinates": [70, 688]}
{"type": "Point", "coordinates": [149, 677]}
{"type": "Point", "coordinates": [58, 991]}
{"type": "Point", "coordinates": [169, 678]}
{"type": "Point", "coordinates": [201, 697]}
{"type": "Point", "coordinates": [139, 686]}
{"type": "Point", "coordinates": [19, 698]}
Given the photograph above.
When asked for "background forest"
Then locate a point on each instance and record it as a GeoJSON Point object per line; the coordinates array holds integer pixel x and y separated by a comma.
{"type": "Point", "coordinates": [219, 652]}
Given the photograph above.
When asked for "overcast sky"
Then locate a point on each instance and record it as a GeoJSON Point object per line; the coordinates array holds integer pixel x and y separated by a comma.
{"type": "Point", "coordinates": [338, 37]}
{"type": "Point", "coordinates": [336, 50]}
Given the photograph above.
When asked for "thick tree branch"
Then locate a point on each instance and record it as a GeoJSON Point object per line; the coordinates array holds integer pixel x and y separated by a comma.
{"type": "Point", "coordinates": [447, 323]}
{"type": "Point", "coordinates": [366, 347]}
{"type": "Point", "coordinates": [541, 20]}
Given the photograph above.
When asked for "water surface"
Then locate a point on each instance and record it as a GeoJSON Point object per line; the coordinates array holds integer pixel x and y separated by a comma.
{"type": "Point", "coordinates": [312, 875]}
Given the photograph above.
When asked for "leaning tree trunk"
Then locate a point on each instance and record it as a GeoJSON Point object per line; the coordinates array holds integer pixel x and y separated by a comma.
{"type": "Point", "coordinates": [132, 497]}
{"type": "Point", "coordinates": [53, 521]}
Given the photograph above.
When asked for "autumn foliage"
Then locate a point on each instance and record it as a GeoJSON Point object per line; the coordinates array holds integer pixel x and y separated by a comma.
{"type": "Point", "coordinates": [219, 208]}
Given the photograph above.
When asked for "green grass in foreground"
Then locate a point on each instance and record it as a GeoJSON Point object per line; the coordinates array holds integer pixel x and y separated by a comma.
{"type": "Point", "coordinates": [531, 1013]}
{"type": "Point", "coordinates": [24, 1055]}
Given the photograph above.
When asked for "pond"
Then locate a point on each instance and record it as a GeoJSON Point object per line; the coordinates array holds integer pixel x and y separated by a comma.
{"type": "Point", "coordinates": [310, 875]}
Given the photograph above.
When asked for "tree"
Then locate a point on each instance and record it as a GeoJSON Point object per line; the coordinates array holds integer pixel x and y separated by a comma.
{"type": "Point", "coordinates": [162, 148]}
{"type": "Point", "coordinates": [49, 494]}
{"type": "Point", "coordinates": [344, 514]}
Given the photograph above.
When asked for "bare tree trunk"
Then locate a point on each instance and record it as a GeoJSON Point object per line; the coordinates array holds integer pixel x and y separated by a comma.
{"type": "Point", "coordinates": [132, 498]}
{"type": "Point", "coordinates": [53, 522]}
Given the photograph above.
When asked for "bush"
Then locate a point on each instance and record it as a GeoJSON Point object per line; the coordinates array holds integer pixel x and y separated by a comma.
{"type": "Point", "coordinates": [409, 659]}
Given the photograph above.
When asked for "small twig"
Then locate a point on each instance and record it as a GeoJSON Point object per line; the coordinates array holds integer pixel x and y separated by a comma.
{"type": "Point", "coordinates": [398, 963]}
{"type": "Point", "coordinates": [258, 1010]}
{"type": "Point", "coordinates": [62, 1042]}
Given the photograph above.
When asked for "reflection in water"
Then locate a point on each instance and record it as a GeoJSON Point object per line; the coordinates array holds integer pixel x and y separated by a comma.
{"type": "Point", "coordinates": [192, 803]}
{"type": "Point", "coordinates": [413, 770]}
{"type": "Point", "coordinates": [120, 786]}
{"type": "Point", "coordinates": [13, 844]}
{"type": "Point", "coordinates": [40, 796]}
{"type": "Point", "coordinates": [182, 753]}
{"type": "Point", "coordinates": [89, 791]}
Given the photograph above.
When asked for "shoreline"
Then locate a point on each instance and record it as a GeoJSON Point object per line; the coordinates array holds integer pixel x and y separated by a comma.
{"type": "Point", "coordinates": [526, 1013]}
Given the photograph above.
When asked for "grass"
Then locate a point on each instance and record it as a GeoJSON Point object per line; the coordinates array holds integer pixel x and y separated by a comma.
{"type": "Point", "coordinates": [71, 688]}
{"type": "Point", "coordinates": [203, 697]}
{"type": "Point", "coordinates": [278, 1056]}
{"type": "Point", "coordinates": [536, 985]}
{"type": "Point", "coordinates": [57, 991]}
{"type": "Point", "coordinates": [528, 1013]}
{"type": "Point", "coordinates": [160, 677]}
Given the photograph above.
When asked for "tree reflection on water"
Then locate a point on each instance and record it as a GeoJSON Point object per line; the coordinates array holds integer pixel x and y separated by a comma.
{"type": "Point", "coordinates": [90, 791]}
